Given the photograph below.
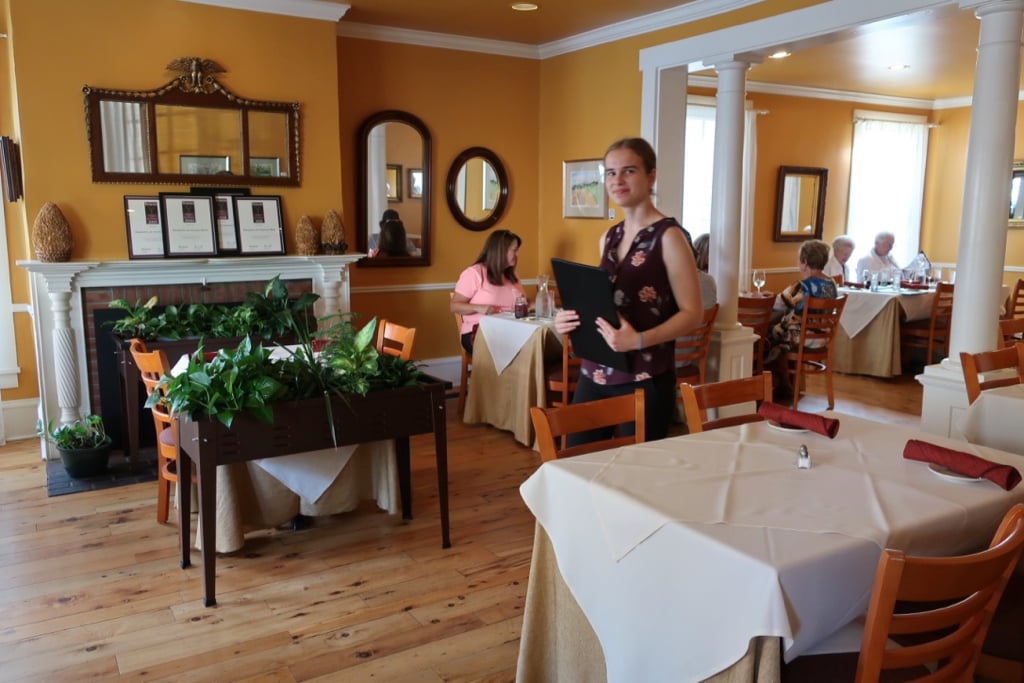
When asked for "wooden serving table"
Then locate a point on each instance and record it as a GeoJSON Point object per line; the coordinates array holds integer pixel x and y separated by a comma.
{"type": "Point", "coordinates": [298, 427]}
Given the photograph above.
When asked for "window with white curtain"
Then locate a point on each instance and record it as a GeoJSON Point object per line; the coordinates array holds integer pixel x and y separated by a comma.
{"type": "Point", "coordinates": [887, 181]}
{"type": "Point", "coordinates": [698, 163]}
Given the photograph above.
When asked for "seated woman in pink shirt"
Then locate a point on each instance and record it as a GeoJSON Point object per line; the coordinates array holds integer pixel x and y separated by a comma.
{"type": "Point", "coordinates": [488, 286]}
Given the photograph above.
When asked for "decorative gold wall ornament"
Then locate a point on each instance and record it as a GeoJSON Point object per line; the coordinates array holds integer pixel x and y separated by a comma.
{"type": "Point", "coordinates": [307, 237]}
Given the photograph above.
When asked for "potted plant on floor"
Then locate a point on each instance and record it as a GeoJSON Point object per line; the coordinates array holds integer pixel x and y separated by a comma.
{"type": "Point", "coordinates": [84, 446]}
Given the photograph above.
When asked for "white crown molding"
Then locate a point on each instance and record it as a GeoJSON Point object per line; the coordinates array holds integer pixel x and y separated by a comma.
{"type": "Point", "coordinates": [823, 94]}
{"type": "Point", "coordinates": [445, 41]}
{"type": "Point", "coordinates": [321, 10]}
{"type": "Point", "coordinates": [655, 21]}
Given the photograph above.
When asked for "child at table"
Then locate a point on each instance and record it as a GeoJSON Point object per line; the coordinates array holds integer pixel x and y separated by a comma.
{"type": "Point", "coordinates": [785, 334]}
{"type": "Point", "coordinates": [488, 286]}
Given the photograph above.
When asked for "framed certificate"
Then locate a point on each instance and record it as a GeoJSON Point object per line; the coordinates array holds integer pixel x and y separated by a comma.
{"type": "Point", "coordinates": [143, 219]}
{"type": "Point", "coordinates": [224, 215]}
{"type": "Point", "coordinates": [188, 225]}
{"type": "Point", "coordinates": [260, 226]}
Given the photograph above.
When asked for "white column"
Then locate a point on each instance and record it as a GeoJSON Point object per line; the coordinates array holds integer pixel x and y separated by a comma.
{"type": "Point", "coordinates": [735, 344]}
{"type": "Point", "coordinates": [983, 220]}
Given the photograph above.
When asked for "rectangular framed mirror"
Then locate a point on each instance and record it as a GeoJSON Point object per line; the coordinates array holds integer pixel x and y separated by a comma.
{"type": "Point", "coordinates": [800, 203]}
{"type": "Point", "coordinates": [1016, 218]}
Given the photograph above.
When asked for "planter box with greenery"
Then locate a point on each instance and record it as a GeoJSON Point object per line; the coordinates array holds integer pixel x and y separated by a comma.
{"type": "Point", "coordinates": [241, 404]}
{"type": "Point", "coordinates": [83, 445]}
{"type": "Point", "coordinates": [180, 330]}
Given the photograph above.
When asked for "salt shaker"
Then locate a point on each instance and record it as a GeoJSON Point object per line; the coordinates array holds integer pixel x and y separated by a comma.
{"type": "Point", "coordinates": [803, 458]}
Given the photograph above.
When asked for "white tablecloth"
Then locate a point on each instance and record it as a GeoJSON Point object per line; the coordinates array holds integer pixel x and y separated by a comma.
{"type": "Point", "coordinates": [862, 306]}
{"type": "Point", "coordinates": [653, 539]}
{"type": "Point", "coordinates": [996, 419]}
{"type": "Point", "coordinates": [506, 335]}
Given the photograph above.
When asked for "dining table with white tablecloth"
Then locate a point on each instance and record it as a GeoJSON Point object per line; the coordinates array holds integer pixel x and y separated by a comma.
{"type": "Point", "coordinates": [996, 419]}
{"type": "Point", "coordinates": [509, 375]}
{"type": "Point", "coordinates": [867, 341]}
{"type": "Point", "coordinates": [687, 557]}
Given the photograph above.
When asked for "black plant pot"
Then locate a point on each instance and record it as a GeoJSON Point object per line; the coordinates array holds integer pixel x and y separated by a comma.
{"type": "Point", "coordinates": [85, 462]}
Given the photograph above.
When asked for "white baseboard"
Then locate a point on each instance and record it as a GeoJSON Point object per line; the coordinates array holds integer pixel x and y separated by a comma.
{"type": "Point", "coordinates": [19, 419]}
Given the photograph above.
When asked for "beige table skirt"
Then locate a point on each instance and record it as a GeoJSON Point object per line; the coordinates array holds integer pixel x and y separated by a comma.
{"type": "Point", "coordinates": [250, 499]}
{"type": "Point", "coordinates": [558, 643]}
{"type": "Point", "coordinates": [875, 350]}
{"type": "Point", "coordinates": [504, 400]}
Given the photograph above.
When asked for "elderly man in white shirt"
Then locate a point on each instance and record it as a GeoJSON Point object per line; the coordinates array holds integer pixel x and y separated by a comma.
{"type": "Point", "coordinates": [842, 248]}
{"type": "Point", "coordinates": [879, 260]}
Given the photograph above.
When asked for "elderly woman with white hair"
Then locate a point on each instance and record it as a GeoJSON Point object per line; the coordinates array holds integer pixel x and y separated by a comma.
{"type": "Point", "coordinates": [842, 249]}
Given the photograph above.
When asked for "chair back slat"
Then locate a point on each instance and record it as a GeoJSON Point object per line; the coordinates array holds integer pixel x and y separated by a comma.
{"type": "Point", "coordinates": [692, 347]}
{"type": "Point", "coordinates": [1011, 330]}
{"type": "Point", "coordinates": [755, 312]}
{"type": "Point", "coordinates": [394, 339]}
{"type": "Point", "coordinates": [552, 423]}
{"type": "Point", "coordinates": [1017, 300]}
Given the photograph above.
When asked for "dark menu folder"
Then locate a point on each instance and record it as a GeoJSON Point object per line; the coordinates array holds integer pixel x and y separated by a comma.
{"type": "Point", "coordinates": [588, 291]}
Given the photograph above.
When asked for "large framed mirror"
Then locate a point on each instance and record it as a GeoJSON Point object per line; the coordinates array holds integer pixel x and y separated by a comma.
{"type": "Point", "coordinates": [393, 206]}
{"type": "Point", "coordinates": [1017, 195]}
{"type": "Point", "coordinates": [800, 203]}
{"type": "Point", "coordinates": [191, 130]}
{"type": "Point", "coordinates": [477, 188]}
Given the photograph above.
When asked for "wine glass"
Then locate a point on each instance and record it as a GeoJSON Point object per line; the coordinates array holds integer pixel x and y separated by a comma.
{"type": "Point", "coordinates": [759, 280]}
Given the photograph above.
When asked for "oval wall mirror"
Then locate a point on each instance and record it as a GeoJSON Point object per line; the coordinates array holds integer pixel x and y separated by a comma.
{"type": "Point", "coordinates": [393, 207]}
{"type": "Point", "coordinates": [800, 203]}
{"type": "Point", "coordinates": [477, 188]}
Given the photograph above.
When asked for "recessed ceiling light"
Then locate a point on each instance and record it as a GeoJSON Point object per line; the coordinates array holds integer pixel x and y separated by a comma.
{"type": "Point", "coordinates": [781, 54]}
{"type": "Point", "coordinates": [899, 67]}
{"type": "Point", "coordinates": [524, 6]}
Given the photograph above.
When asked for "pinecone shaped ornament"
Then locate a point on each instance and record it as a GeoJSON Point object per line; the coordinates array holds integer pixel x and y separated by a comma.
{"type": "Point", "coordinates": [332, 233]}
{"type": "Point", "coordinates": [307, 237]}
{"type": "Point", "coordinates": [51, 235]}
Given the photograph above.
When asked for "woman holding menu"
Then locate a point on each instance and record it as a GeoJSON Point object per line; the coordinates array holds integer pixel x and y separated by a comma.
{"type": "Point", "coordinates": [650, 263]}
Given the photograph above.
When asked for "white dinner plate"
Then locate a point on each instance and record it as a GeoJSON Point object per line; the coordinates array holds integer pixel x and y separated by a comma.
{"type": "Point", "coordinates": [783, 428]}
{"type": "Point", "coordinates": [946, 473]}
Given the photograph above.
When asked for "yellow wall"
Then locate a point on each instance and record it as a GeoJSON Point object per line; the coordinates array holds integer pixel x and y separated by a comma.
{"type": "Point", "coordinates": [60, 45]}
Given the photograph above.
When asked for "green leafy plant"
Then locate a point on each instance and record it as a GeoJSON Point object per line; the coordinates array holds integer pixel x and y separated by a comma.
{"type": "Point", "coordinates": [86, 432]}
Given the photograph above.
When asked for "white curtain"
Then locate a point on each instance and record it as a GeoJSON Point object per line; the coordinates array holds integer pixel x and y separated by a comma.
{"type": "Point", "coordinates": [125, 130]}
{"type": "Point", "coordinates": [887, 183]}
{"type": "Point", "coordinates": [698, 161]}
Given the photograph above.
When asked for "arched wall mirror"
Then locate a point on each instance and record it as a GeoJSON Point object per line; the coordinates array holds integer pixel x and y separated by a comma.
{"type": "Point", "coordinates": [800, 203]}
{"type": "Point", "coordinates": [477, 188]}
{"type": "Point", "coordinates": [394, 174]}
{"type": "Point", "coordinates": [191, 130]}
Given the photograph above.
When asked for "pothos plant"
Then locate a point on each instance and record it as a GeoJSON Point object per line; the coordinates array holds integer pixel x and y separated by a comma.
{"type": "Point", "coordinates": [249, 379]}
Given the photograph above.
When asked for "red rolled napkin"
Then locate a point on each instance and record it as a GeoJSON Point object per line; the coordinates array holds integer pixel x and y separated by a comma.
{"type": "Point", "coordinates": [787, 417]}
{"type": "Point", "coordinates": [966, 464]}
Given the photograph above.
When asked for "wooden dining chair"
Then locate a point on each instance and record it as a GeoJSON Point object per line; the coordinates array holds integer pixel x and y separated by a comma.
{"type": "Point", "coordinates": [990, 369]}
{"type": "Point", "coordinates": [152, 367]}
{"type": "Point", "coordinates": [561, 380]}
{"type": "Point", "coordinates": [937, 612]}
{"type": "Point", "coordinates": [1016, 309]}
{"type": "Point", "coordinates": [1011, 330]}
{"type": "Point", "coordinates": [931, 334]}
{"type": "Point", "coordinates": [698, 399]}
{"type": "Point", "coordinates": [755, 312]}
{"type": "Point", "coordinates": [813, 354]}
{"type": "Point", "coordinates": [553, 423]}
{"type": "Point", "coordinates": [467, 363]}
{"type": "Point", "coordinates": [692, 348]}
{"type": "Point", "coordinates": [838, 279]}
{"type": "Point", "coordinates": [394, 339]}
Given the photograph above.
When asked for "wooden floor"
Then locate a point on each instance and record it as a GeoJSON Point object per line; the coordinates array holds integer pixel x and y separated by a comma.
{"type": "Point", "coordinates": [91, 586]}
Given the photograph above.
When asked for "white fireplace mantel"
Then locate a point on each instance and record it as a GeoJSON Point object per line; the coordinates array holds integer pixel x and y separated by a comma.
{"type": "Point", "coordinates": [59, 324]}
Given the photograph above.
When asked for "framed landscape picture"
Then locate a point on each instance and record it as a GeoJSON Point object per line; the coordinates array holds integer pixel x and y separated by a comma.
{"type": "Point", "coordinates": [583, 194]}
{"type": "Point", "coordinates": [192, 164]}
